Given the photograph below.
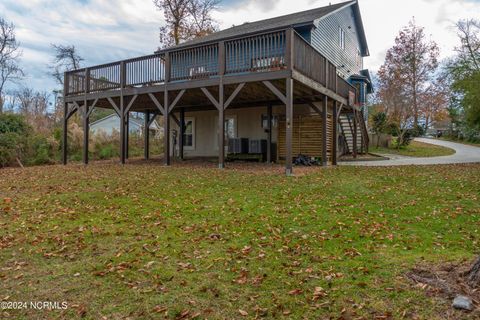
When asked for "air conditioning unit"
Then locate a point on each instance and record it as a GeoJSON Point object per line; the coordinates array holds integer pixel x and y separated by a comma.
{"type": "Point", "coordinates": [238, 145]}
{"type": "Point", "coordinates": [257, 146]}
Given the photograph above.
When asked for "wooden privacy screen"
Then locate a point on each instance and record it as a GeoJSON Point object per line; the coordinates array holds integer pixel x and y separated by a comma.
{"type": "Point", "coordinates": [307, 136]}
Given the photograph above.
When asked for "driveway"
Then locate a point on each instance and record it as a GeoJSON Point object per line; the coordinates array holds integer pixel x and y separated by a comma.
{"type": "Point", "coordinates": [463, 154]}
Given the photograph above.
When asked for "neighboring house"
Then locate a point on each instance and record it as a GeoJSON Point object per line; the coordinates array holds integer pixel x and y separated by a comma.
{"type": "Point", "coordinates": [439, 128]}
{"type": "Point", "coordinates": [111, 124]}
{"type": "Point", "coordinates": [294, 84]}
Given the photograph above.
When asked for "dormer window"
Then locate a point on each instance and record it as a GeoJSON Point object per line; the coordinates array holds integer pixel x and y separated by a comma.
{"type": "Point", "coordinates": [341, 38]}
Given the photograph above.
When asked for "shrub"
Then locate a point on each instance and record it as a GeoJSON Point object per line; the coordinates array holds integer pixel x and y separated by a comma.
{"type": "Point", "coordinates": [10, 144]}
{"type": "Point", "coordinates": [41, 150]}
{"type": "Point", "coordinates": [107, 152]}
{"type": "Point", "coordinates": [15, 123]}
{"type": "Point", "coordinates": [13, 134]}
{"type": "Point", "coordinates": [417, 131]}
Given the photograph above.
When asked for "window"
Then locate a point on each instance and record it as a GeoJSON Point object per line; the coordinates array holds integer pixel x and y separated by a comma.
{"type": "Point", "coordinates": [229, 128]}
{"type": "Point", "coordinates": [230, 125]}
{"type": "Point", "coordinates": [265, 121]}
{"type": "Point", "coordinates": [341, 38]}
{"type": "Point", "coordinates": [189, 135]}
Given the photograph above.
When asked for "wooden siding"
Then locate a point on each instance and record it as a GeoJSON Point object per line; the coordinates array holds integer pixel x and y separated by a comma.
{"type": "Point", "coordinates": [325, 38]}
{"type": "Point", "coordinates": [307, 136]}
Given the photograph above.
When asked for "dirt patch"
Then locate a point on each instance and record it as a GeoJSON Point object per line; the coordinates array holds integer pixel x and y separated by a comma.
{"type": "Point", "coordinates": [445, 282]}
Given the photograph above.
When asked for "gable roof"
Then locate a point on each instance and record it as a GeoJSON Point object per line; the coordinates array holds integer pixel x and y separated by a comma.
{"type": "Point", "coordinates": [132, 120]}
{"type": "Point", "coordinates": [297, 19]}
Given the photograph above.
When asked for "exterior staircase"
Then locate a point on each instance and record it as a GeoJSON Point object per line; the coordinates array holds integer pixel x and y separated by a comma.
{"type": "Point", "coordinates": [347, 129]}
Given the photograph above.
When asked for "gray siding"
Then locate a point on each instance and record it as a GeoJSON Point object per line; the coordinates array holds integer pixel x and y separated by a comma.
{"type": "Point", "coordinates": [326, 38]}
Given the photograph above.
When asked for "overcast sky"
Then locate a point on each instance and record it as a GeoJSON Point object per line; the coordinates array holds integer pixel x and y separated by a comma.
{"type": "Point", "coordinates": [110, 30]}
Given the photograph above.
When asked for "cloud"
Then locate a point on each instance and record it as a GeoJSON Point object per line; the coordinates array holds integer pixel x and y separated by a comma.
{"type": "Point", "coordinates": [102, 31]}
{"type": "Point", "coordinates": [105, 30]}
{"type": "Point", "coordinates": [437, 16]}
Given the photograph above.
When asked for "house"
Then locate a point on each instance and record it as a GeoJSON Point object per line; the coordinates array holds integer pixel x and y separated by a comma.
{"type": "Point", "coordinates": [287, 86]}
{"type": "Point", "coordinates": [111, 124]}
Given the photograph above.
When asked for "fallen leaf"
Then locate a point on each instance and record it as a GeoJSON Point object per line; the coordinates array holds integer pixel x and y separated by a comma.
{"type": "Point", "coordinates": [243, 312]}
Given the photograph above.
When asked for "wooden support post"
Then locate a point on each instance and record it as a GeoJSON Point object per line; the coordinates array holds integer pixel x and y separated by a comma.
{"type": "Point", "coordinates": [289, 124]}
{"type": "Point", "coordinates": [181, 133]}
{"type": "Point", "coordinates": [221, 58]}
{"type": "Point", "coordinates": [334, 133]}
{"type": "Point", "coordinates": [146, 136]}
{"type": "Point", "coordinates": [269, 135]}
{"type": "Point", "coordinates": [289, 39]}
{"type": "Point", "coordinates": [86, 129]}
{"type": "Point", "coordinates": [122, 131]}
{"type": "Point", "coordinates": [127, 133]}
{"type": "Point", "coordinates": [166, 126]}
{"type": "Point", "coordinates": [221, 128]}
{"type": "Point", "coordinates": [65, 133]}
{"type": "Point", "coordinates": [354, 152]}
{"type": "Point", "coordinates": [324, 130]}
{"type": "Point", "coordinates": [122, 114]}
{"type": "Point", "coordinates": [167, 67]}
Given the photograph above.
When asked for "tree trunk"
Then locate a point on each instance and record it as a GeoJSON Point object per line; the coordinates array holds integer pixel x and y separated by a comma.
{"type": "Point", "coordinates": [473, 275]}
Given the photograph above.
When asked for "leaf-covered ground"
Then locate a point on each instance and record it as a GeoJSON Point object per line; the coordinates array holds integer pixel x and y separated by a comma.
{"type": "Point", "coordinates": [417, 149]}
{"type": "Point", "coordinates": [144, 241]}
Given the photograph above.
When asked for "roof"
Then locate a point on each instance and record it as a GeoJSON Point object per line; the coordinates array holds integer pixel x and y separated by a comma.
{"type": "Point", "coordinates": [298, 19]}
{"type": "Point", "coordinates": [131, 120]}
{"type": "Point", "coordinates": [365, 76]}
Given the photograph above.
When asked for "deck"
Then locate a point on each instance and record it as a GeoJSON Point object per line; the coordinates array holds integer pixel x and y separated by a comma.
{"type": "Point", "coordinates": [252, 58]}
{"type": "Point", "coordinates": [277, 67]}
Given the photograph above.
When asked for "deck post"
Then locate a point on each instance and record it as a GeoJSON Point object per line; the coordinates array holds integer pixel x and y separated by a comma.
{"type": "Point", "coordinates": [324, 130]}
{"type": "Point", "coordinates": [122, 131]}
{"type": "Point", "coordinates": [86, 129]}
{"type": "Point", "coordinates": [146, 136]}
{"type": "Point", "coordinates": [269, 134]}
{"type": "Point", "coordinates": [127, 132]}
{"type": "Point", "coordinates": [289, 47]}
{"type": "Point", "coordinates": [65, 133]}
{"type": "Point", "coordinates": [354, 152]}
{"type": "Point", "coordinates": [334, 133]}
{"type": "Point", "coordinates": [166, 126]}
{"type": "Point", "coordinates": [181, 133]}
{"type": "Point", "coordinates": [221, 128]}
{"type": "Point", "coordinates": [122, 113]}
{"type": "Point", "coordinates": [289, 124]}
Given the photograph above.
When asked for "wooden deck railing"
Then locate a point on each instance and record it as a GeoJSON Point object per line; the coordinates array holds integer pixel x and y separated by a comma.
{"type": "Point", "coordinates": [256, 53]}
{"type": "Point", "coordinates": [311, 63]}
{"type": "Point", "coordinates": [264, 52]}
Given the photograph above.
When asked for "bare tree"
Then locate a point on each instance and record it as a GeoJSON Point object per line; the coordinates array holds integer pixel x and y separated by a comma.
{"type": "Point", "coordinates": [415, 61]}
{"type": "Point", "coordinates": [469, 52]}
{"type": "Point", "coordinates": [202, 21]}
{"type": "Point", "coordinates": [186, 19]}
{"type": "Point", "coordinates": [66, 58]}
{"type": "Point", "coordinates": [33, 105]}
{"type": "Point", "coordinates": [434, 102]}
{"type": "Point", "coordinates": [394, 102]}
{"type": "Point", "coordinates": [10, 53]}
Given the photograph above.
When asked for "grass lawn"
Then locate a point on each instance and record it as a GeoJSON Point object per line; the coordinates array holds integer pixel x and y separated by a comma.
{"type": "Point", "coordinates": [145, 242]}
{"type": "Point", "coordinates": [416, 149]}
{"type": "Point", "coordinates": [475, 144]}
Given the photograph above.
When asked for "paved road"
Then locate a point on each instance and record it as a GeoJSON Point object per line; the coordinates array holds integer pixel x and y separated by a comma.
{"type": "Point", "coordinates": [463, 154]}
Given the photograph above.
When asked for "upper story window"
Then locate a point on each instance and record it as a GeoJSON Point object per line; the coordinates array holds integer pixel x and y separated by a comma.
{"type": "Point", "coordinates": [341, 38]}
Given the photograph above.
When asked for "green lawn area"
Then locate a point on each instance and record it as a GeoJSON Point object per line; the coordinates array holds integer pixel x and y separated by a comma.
{"type": "Point", "coordinates": [475, 144]}
{"type": "Point", "coordinates": [416, 149]}
{"type": "Point", "coordinates": [143, 241]}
